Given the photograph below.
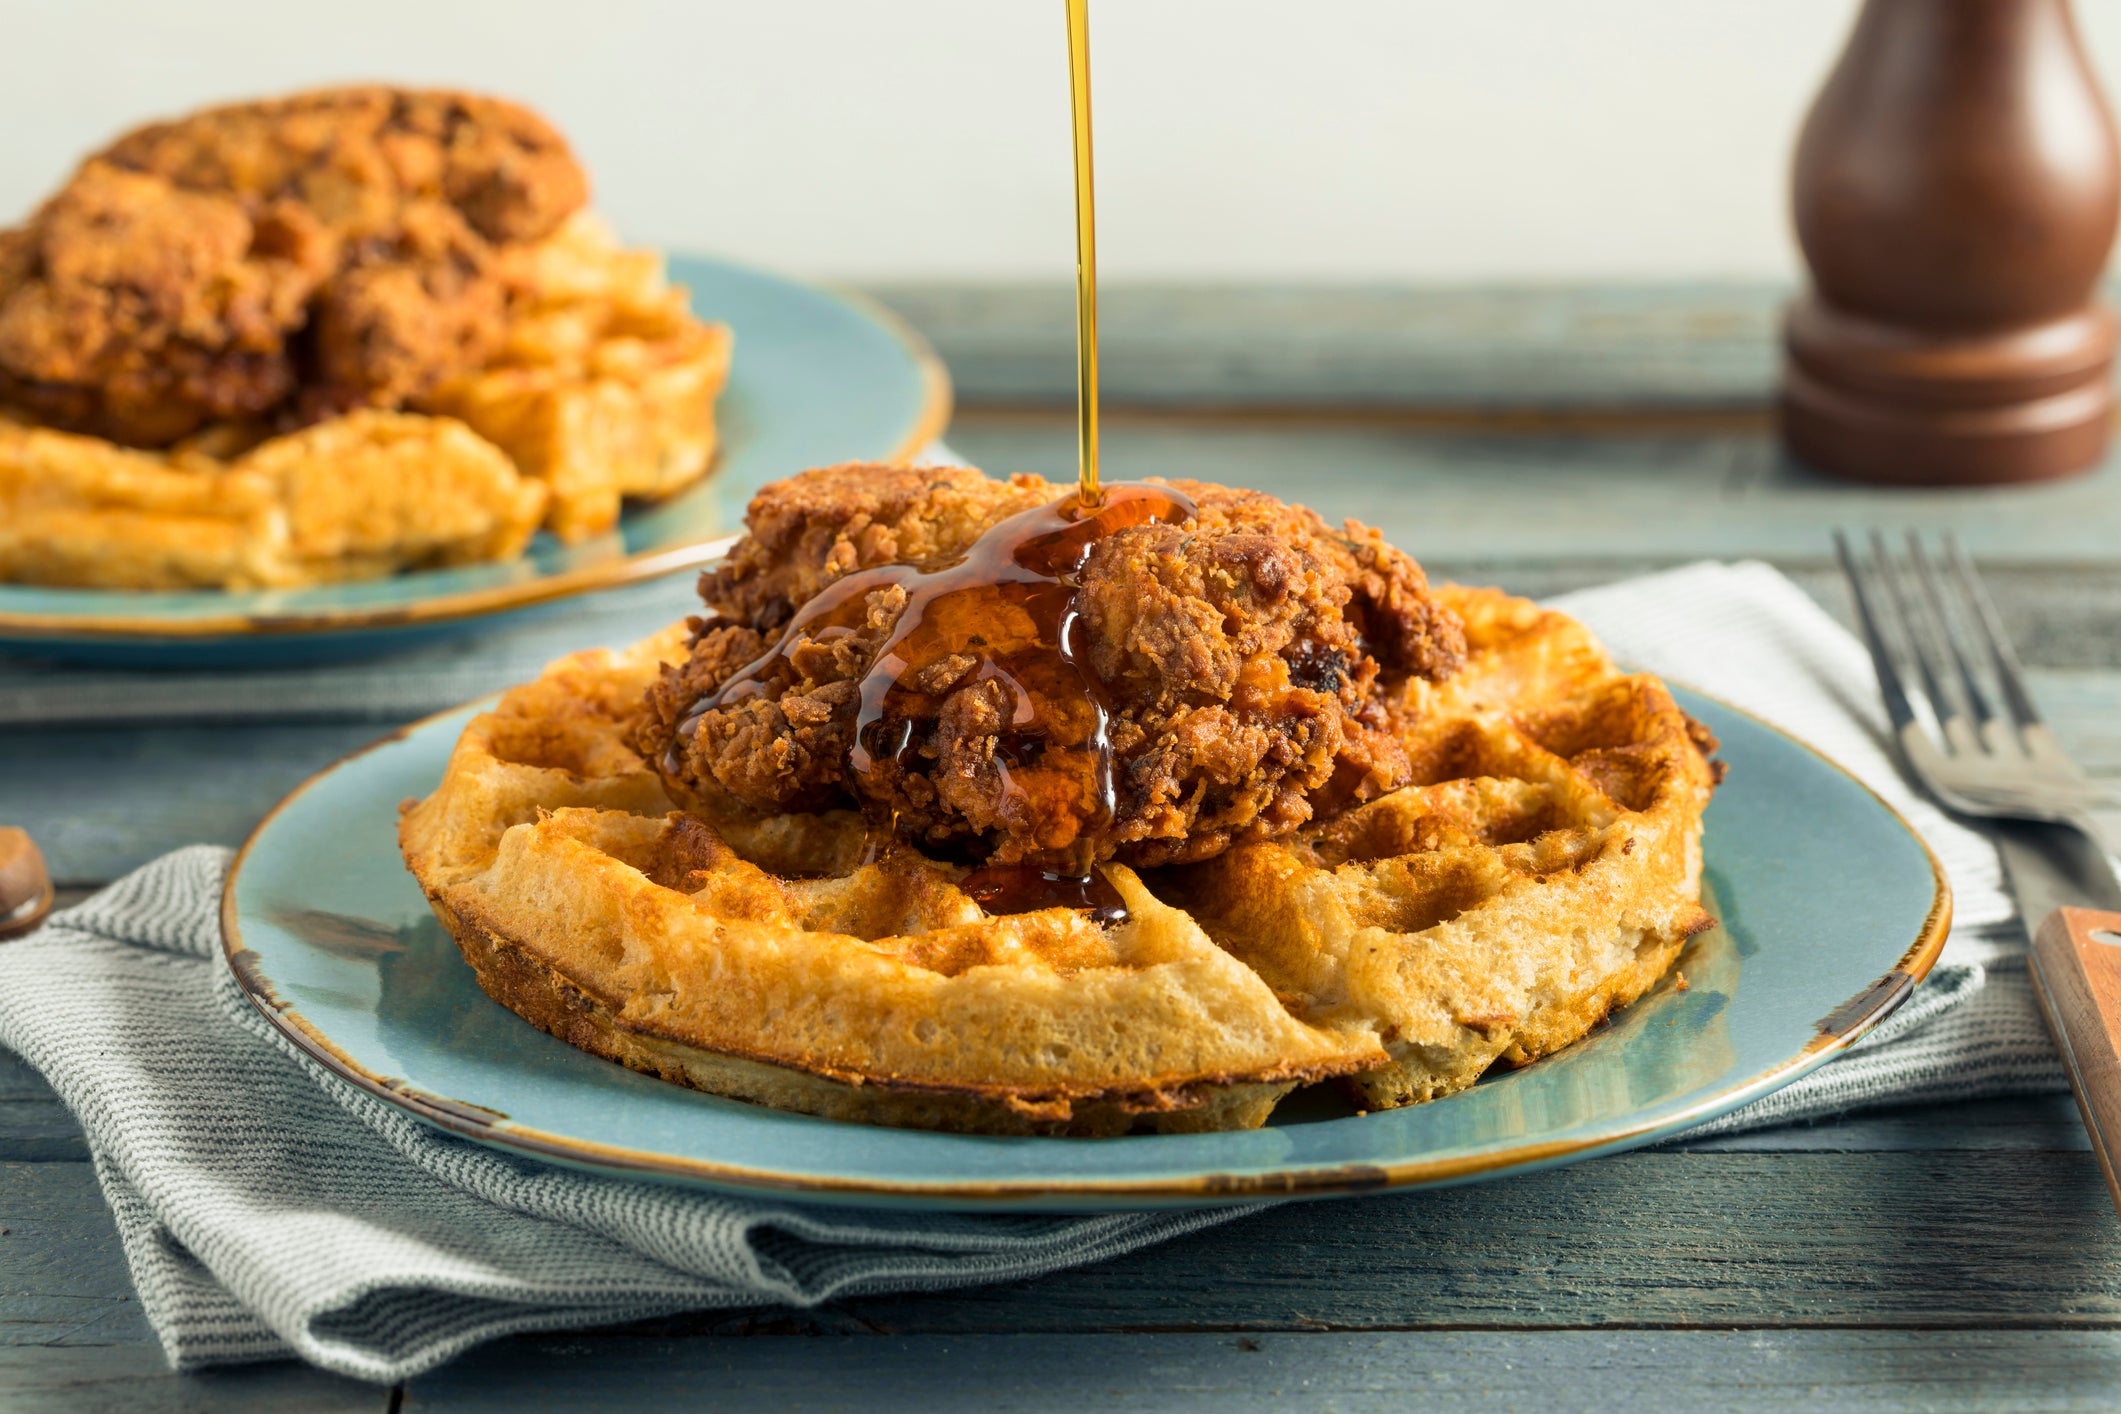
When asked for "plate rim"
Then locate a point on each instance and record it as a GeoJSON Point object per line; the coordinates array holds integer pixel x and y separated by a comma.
{"type": "Point", "coordinates": [933, 419]}
{"type": "Point", "coordinates": [1853, 1019]}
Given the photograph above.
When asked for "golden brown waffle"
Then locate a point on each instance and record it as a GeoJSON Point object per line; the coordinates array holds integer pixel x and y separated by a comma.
{"type": "Point", "coordinates": [605, 390]}
{"type": "Point", "coordinates": [605, 387]}
{"type": "Point", "coordinates": [357, 497]}
{"type": "Point", "coordinates": [1545, 870]}
{"type": "Point", "coordinates": [764, 959]}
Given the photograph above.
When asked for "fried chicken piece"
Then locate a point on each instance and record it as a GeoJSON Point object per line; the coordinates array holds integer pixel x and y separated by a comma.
{"type": "Point", "coordinates": [138, 311]}
{"type": "Point", "coordinates": [166, 284]}
{"type": "Point", "coordinates": [407, 314]}
{"type": "Point", "coordinates": [353, 156]}
{"type": "Point", "coordinates": [1246, 660]}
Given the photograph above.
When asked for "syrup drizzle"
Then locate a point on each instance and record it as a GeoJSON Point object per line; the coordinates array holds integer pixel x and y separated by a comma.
{"type": "Point", "coordinates": [1023, 888]}
{"type": "Point", "coordinates": [1005, 612]}
{"type": "Point", "coordinates": [1001, 617]}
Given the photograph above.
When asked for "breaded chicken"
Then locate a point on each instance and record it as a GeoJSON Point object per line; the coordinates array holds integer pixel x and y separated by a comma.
{"type": "Point", "coordinates": [300, 257]}
{"type": "Point", "coordinates": [138, 310]}
{"type": "Point", "coordinates": [1245, 658]}
{"type": "Point", "coordinates": [406, 314]}
{"type": "Point", "coordinates": [355, 156]}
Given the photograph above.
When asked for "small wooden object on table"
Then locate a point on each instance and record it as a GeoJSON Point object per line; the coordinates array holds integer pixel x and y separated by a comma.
{"type": "Point", "coordinates": [2078, 954]}
{"type": "Point", "coordinates": [1956, 186]}
{"type": "Point", "coordinates": [25, 884]}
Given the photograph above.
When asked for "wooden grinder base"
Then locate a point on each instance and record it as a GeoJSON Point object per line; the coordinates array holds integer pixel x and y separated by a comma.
{"type": "Point", "coordinates": [1883, 403]}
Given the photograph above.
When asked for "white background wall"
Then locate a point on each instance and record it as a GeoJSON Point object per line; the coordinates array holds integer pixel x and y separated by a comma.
{"type": "Point", "coordinates": [1423, 140]}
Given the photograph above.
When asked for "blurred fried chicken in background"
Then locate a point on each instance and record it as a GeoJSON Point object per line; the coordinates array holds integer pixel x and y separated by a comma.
{"type": "Point", "coordinates": [288, 259]}
{"type": "Point", "coordinates": [413, 276]}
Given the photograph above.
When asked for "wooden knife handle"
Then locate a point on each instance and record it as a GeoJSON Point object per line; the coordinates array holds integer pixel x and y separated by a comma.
{"type": "Point", "coordinates": [2077, 978]}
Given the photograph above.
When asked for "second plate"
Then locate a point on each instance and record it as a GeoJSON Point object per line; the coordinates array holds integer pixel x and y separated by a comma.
{"type": "Point", "coordinates": [818, 377]}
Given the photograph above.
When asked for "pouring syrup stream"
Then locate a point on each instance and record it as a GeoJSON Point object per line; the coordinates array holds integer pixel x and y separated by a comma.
{"type": "Point", "coordinates": [1007, 601]}
{"type": "Point", "coordinates": [1085, 255]}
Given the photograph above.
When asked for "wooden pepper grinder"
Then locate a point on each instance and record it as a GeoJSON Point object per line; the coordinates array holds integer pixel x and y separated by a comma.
{"type": "Point", "coordinates": [1956, 197]}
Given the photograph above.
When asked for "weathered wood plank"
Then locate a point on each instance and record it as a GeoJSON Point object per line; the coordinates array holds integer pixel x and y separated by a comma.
{"type": "Point", "coordinates": [2085, 710]}
{"type": "Point", "coordinates": [39, 1131]}
{"type": "Point", "coordinates": [135, 1380]}
{"type": "Point", "coordinates": [18, 1081]}
{"type": "Point", "coordinates": [1694, 346]}
{"type": "Point", "coordinates": [1645, 1371]}
{"type": "Point", "coordinates": [102, 802]}
{"type": "Point", "coordinates": [1468, 496]}
{"type": "Point", "coordinates": [388, 690]}
{"type": "Point", "coordinates": [63, 1279]}
{"type": "Point", "coordinates": [1649, 1239]}
{"type": "Point", "coordinates": [1667, 1238]}
{"type": "Point", "coordinates": [1656, 347]}
{"type": "Point", "coordinates": [34, 1125]}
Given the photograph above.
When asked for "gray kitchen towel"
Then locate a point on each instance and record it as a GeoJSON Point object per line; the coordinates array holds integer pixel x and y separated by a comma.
{"type": "Point", "coordinates": [268, 1208]}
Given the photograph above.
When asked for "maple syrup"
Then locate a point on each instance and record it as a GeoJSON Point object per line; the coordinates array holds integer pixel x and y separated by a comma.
{"type": "Point", "coordinates": [1085, 253]}
{"type": "Point", "coordinates": [1008, 604]}
{"type": "Point", "coordinates": [1025, 888]}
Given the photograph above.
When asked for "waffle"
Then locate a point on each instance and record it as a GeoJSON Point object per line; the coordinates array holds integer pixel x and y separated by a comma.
{"type": "Point", "coordinates": [1544, 870]}
{"type": "Point", "coordinates": [605, 387]}
{"type": "Point", "coordinates": [360, 496]}
{"type": "Point", "coordinates": [604, 390]}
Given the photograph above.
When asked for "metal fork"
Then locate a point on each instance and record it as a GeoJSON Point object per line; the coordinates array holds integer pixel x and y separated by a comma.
{"type": "Point", "coordinates": [1990, 754]}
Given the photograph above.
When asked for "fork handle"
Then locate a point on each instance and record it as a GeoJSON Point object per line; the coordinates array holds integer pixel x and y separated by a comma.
{"type": "Point", "coordinates": [2103, 824]}
{"type": "Point", "coordinates": [2077, 978]}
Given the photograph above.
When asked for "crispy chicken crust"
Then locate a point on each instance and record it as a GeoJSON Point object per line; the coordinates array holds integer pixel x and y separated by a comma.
{"type": "Point", "coordinates": [300, 256]}
{"type": "Point", "coordinates": [132, 305]}
{"type": "Point", "coordinates": [1250, 657]}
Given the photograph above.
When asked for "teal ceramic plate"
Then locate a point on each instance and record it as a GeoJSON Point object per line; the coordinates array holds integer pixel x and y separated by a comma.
{"type": "Point", "coordinates": [1832, 909]}
{"type": "Point", "coordinates": [817, 378]}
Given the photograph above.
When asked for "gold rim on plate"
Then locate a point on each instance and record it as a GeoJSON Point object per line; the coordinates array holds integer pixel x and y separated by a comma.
{"type": "Point", "coordinates": [1836, 1032]}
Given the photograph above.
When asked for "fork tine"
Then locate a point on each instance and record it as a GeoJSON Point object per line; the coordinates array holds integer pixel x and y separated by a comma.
{"type": "Point", "coordinates": [1889, 685]}
{"type": "Point", "coordinates": [1916, 629]}
{"type": "Point", "coordinates": [2002, 657]}
{"type": "Point", "coordinates": [1948, 621]}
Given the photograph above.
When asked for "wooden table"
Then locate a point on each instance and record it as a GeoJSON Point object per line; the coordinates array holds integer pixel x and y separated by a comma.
{"type": "Point", "coordinates": [1954, 1255]}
